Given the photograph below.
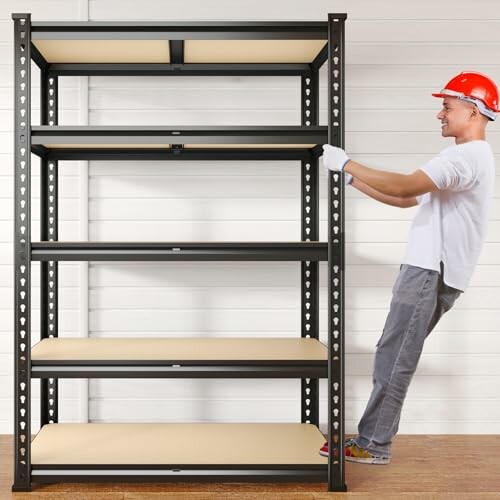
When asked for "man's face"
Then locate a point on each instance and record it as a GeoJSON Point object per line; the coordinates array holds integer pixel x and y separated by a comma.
{"type": "Point", "coordinates": [454, 117]}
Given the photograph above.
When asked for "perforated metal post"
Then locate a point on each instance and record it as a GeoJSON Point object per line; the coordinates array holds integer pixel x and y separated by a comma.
{"type": "Point", "coordinates": [310, 232]}
{"type": "Point", "coordinates": [22, 253]}
{"type": "Point", "coordinates": [48, 232]}
{"type": "Point", "coordinates": [336, 242]}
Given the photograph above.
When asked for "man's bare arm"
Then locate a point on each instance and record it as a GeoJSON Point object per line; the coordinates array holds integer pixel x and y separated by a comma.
{"type": "Point", "coordinates": [391, 183]}
{"type": "Point", "coordinates": [395, 201]}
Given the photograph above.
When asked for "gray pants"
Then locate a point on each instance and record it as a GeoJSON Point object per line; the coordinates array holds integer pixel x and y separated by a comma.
{"type": "Point", "coordinates": [420, 298]}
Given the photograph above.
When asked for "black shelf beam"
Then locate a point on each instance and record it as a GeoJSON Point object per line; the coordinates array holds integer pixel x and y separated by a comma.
{"type": "Point", "coordinates": [155, 154]}
{"type": "Point", "coordinates": [174, 472]}
{"type": "Point", "coordinates": [179, 369]}
{"type": "Point", "coordinates": [179, 69]}
{"type": "Point", "coordinates": [285, 135]}
{"type": "Point", "coordinates": [173, 251]}
{"type": "Point", "coordinates": [182, 30]}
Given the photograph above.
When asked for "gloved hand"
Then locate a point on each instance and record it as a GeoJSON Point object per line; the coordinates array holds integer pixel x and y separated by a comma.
{"type": "Point", "coordinates": [335, 159]}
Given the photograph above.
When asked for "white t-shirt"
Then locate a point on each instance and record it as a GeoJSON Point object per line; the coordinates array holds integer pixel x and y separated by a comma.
{"type": "Point", "coordinates": [451, 223]}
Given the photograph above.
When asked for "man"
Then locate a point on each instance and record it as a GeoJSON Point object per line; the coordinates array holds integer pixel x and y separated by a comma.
{"type": "Point", "coordinates": [454, 192]}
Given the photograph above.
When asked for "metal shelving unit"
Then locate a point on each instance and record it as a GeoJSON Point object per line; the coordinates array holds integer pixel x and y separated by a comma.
{"type": "Point", "coordinates": [180, 48]}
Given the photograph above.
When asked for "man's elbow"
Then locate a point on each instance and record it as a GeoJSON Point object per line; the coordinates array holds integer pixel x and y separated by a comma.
{"type": "Point", "coordinates": [408, 202]}
{"type": "Point", "coordinates": [405, 187]}
{"type": "Point", "coordinates": [403, 191]}
{"type": "Point", "coordinates": [416, 184]}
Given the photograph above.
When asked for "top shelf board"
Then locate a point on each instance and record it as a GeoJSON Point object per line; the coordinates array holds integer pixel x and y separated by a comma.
{"type": "Point", "coordinates": [194, 51]}
{"type": "Point", "coordinates": [180, 43]}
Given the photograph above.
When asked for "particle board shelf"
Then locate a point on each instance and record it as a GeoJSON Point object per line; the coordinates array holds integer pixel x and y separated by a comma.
{"type": "Point", "coordinates": [179, 357]}
{"type": "Point", "coordinates": [195, 51]}
{"type": "Point", "coordinates": [162, 449]}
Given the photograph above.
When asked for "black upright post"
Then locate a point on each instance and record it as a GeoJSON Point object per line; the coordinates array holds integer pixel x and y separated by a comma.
{"type": "Point", "coordinates": [336, 243]}
{"type": "Point", "coordinates": [22, 253]}
{"type": "Point", "coordinates": [48, 232]}
{"type": "Point", "coordinates": [310, 232]}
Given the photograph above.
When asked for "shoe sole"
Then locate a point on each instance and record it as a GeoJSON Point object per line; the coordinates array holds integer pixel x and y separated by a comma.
{"type": "Point", "coordinates": [374, 460]}
{"type": "Point", "coordinates": [325, 453]}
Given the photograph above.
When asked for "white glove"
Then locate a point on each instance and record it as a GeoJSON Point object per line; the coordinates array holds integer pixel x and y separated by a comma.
{"type": "Point", "coordinates": [335, 159]}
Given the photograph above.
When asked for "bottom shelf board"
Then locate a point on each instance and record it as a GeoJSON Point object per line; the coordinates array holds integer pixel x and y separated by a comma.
{"type": "Point", "coordinates": [153, 444]}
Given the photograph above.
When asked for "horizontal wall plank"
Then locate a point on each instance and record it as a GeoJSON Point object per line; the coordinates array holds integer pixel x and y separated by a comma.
{"type": "Point", "coordinates": [282, 410]}
{"type": "Point", "coordinates": [48, 10]}
{"type": "Point", "coordinates": [404, 162]}
{"type": "Point", "coordinates": [68, 231]}
{"type": "Point", "coordinates": [250, 274]}
{"type": "Point", "coordinates": [255, 10]}
{"type": "Point", "coordinates": [358, 231]}
{"type": "Point", "coordinates": [356, 387]}
{"type": "Point", "coordinates": [268, 100]}
{"type": "Point", "coordinates": [205, 186]}
{"type": "Point", "coordinates": [225, 298]}
{"type": "Point", "coordinates": [229, 321]}
{"type": "Point", "coordinates": [267, 209]}
{"type": "Point", "coordinates": [68, 186]}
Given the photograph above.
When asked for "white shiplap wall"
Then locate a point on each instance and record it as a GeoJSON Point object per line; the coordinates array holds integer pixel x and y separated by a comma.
{"type": "Point", "coordinates": [396, 54]}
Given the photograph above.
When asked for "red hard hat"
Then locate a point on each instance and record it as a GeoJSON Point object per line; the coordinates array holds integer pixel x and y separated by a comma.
{"type": "Point", "coordinates": [472, 86]}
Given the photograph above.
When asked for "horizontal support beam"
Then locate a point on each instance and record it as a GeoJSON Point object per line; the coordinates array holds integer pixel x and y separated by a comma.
{"type": "Point", "coordinates": [43, 134]}
{"type": "Point", "coordinates": [198, 154]}
{"type": "Point", "coordinates": [138, 473]}
{"type": "Point", "coordinates": [194, 69]}
{"type": "Point", "coordinates": [173, 251]}
{"type": "Point", "coordinates": [274, 370]}
{"type": "Point", "coordinates": [183, 30]}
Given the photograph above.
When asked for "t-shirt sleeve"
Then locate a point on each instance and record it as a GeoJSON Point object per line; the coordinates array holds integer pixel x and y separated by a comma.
{"type": "Point", "coordinates": [453, 172]}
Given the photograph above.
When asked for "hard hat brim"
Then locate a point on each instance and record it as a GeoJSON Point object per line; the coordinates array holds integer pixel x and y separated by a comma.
{"type": "Point", "coordinates": [483, 109]}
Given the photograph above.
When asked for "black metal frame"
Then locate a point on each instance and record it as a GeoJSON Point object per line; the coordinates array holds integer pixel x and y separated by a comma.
{"type": "Point", "coordinates": [22, 253]}
{"type": "Point", "coordinates": [336, 269]}
{"type": "Point", "coordinates": [310, 232]}
{"type": "Point", "coordinates": [48, 232]}
{"type": "Point", "coordinates": [49, 251]}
